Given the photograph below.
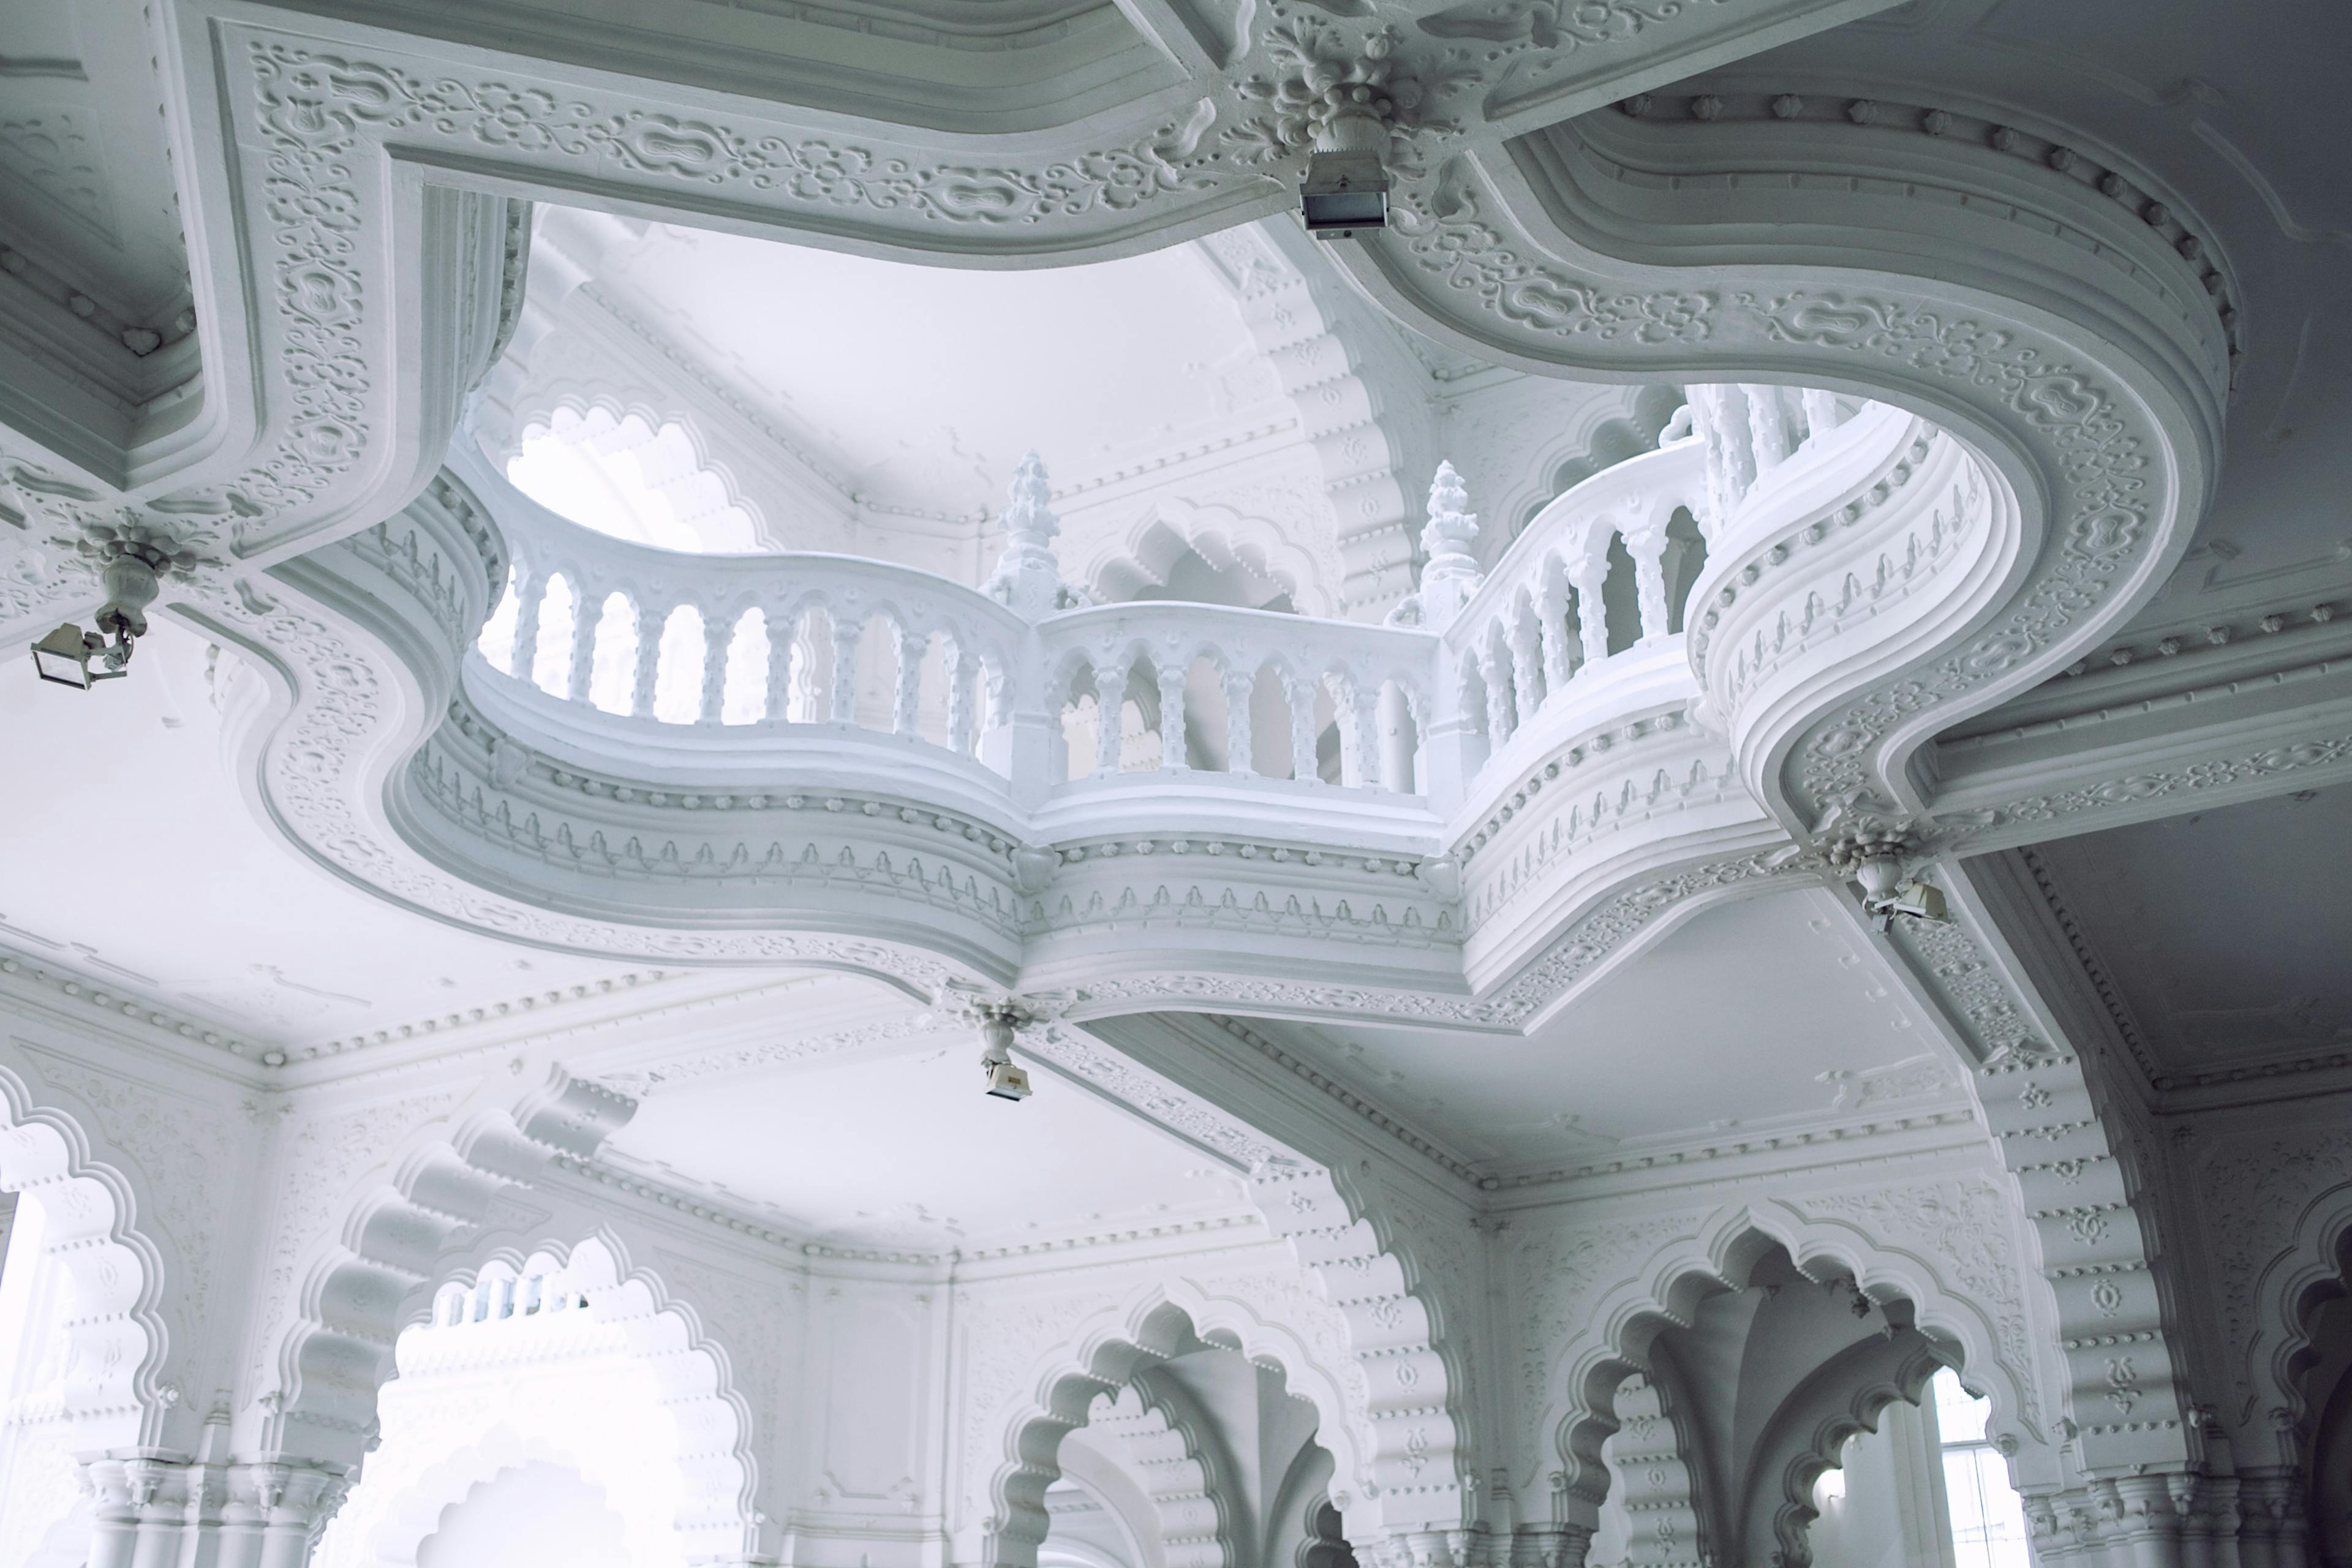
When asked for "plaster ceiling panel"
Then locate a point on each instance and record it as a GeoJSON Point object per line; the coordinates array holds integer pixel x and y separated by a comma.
{"type": "Point", "coordinates": [952, 65]}
{"type": "Point", "coordinates": [132, 856]}
{"type": "Point", "coordinates": [86, 191]}
{"type": "Point", "coordinates": [920, 388]}
{"type": "Point", "coordinates": [900, 1146]}
{"type": "Point", "coordinates": [2210, 101]}
{"type": "Point", "coordinates": [2225, 931]}
{"type": "Point", "coordinates": [1752, 1014]}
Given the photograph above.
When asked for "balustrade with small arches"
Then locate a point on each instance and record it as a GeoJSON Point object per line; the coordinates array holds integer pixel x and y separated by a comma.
{"type": "Point", "coordinates": [1027, 684]}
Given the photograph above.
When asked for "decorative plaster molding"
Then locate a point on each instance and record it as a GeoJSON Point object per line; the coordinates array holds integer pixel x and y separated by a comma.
{"type": "Point", "coordinates": [106, 999]}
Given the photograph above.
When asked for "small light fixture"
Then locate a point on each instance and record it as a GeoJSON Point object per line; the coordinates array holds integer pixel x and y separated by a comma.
{"type": "Point", "coordinates": [72, 656]}
{"type": "Point", "coordinates": [1343, 192]}
{"type": "Point", "coordinates": [1005, 1082]}
{"type": "Point", "coordinates": [65, 655]}
{"type": "Point", "coordinates": [1920, 901]}
{"type": "Point", "coordinates": [1875, 861]}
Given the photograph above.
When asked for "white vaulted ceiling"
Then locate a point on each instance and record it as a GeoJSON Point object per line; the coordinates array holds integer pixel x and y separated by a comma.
{"type": "Point", "coordinates": [892, 1145]}
{"type": "Point", "coordinates": [133, 855]}
{"type": "Point", "coordinates": [1750, 1016]}
{"type": "Point", "coordinates": [918, 389]}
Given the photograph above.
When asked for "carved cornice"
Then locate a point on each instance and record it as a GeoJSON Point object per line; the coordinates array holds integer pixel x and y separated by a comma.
{"type": "Point", "coordinates": [2066, 155]}
{"type": "Point", "coordinates": [81, 990]}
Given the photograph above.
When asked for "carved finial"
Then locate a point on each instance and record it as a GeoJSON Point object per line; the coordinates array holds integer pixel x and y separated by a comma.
{"type": "Point", "coordinates": [1453, 527]}
{"type": "Point", "coordinates": [1029, 519]}
{"type": "Point", "coordinates": [1028, 578]}
{"type": "Point", "coordinates": [1452, 573]}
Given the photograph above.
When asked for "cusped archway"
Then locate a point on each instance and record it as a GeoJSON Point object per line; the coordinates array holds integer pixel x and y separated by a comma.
{"type": "Point", "coordinates": [567, 1355]}
{"type": "Point", "coordinates": [1164, 1322]}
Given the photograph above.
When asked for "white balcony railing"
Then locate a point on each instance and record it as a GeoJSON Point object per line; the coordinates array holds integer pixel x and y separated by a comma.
{"type": "Point", "coordinates": [734, 664]}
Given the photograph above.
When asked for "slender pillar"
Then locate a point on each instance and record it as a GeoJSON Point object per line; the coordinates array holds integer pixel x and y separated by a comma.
{"type": "Point", "coordinates": [845, 633]}
{"type": "Point", "coordinates": [580, 666]}
{"type": "Point", "coordinates": [906, 686]}
{"type": "Point", "coordinates": [1172, 749]}
{"type": "Point", "coordinates": [716, 636]}
{"type": "Point", "coordinates": [1240, 686]}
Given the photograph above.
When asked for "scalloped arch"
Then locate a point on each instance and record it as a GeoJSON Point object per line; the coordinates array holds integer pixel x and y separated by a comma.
{"type": "Point", "coordinates": [1162, 1321]}
{"type": "Point", "coordinates": [1721, 1253]}
{"type": "Point", "coordinates": [89, 1204]}
{"type": "Point", "coordinates": [694, 1392]}
{"type": "Point", "coordinates": [608, 412]}
{"type": "Point", "coordinates": [1846, 1396]}
{"type": "Point", "coordinates": [2315, 1265]}
{"type": "Point", "coordinates": [384, 1235]}
{"type": "Point", "coordinates": [1172, 525]}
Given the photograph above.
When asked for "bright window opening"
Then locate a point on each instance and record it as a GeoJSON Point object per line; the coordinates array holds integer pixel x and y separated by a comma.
{"type": "Point", "coordinates": [1987, 1517]}
{"type": "Point", "coordinates": [623, 477]}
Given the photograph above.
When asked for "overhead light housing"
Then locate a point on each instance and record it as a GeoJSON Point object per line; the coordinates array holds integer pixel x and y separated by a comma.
{"type": "Point", "coordinates": [1919, 900]}
{"type": "Point", "coordinates": [1343, 192]}
{"type": "Point", "coordinates": [64, 656]}
{"type": "Point", "coordinates": [72, 656]}
{"type": "Point", "coordinates": [1005, 1082]}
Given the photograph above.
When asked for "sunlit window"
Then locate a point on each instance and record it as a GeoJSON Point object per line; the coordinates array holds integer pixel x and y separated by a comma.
{"type": "Point", "coordinates": [1988, 1521]}
{"type": "Point", "coordinates": [628, 480]}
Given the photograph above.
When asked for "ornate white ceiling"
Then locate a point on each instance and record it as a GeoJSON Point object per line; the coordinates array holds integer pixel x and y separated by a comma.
{"type": "Point", "coordinates": [2012, 336]}
{"type": "Point", "coordinates": [886, 1141]}
{"type": "Point", "coordinates": [918, 389]}
{"type": "Point", "coordinates": [2221, 933]}
{"type": "Point", "coordinates": [137, 859]}
{"type": "Point", "coordinates": [1748, 1018]}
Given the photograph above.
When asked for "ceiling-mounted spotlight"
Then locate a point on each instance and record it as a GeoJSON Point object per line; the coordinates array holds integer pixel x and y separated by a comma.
{"type": "Point", "coordinates": [1873, 858]}
{"type": "Point", "coordinates": [1343, 192]}
{"type": "Point", "coordinates": [72, 656]}
{"type": "Point", "coordinates": [997, 1022]}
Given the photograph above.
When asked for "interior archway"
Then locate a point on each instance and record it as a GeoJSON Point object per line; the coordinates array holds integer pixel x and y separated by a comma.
{"type": "Point", "coordinates": [1168, 1383]}
{"type": "Point", "coordinates": [565, 1361]}
{"type": "Point", "coordinates": [1202, 1459]}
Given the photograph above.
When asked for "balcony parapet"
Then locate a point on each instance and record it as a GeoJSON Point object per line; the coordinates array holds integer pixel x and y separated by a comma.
{"type": "Point", "coordinates": [806, 758]}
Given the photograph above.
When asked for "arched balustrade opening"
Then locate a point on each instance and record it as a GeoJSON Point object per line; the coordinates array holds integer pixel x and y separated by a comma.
{"type": "Point", "coordinates": [1220, 715]}
{"type": "Point", "coordinates": [550, 650]}
{"type": "Point", "coordinates": [612, 661]}
{"type": "Point", "coordinates": [749, 664]}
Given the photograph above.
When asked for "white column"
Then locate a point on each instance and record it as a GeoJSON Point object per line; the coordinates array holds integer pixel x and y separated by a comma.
{"type": "Point", "coordinates": [1591, 614]}
{"type": "Point", "coordinates": [907, 682]}
{"type": "Point", "coordinates": [581, 661]}
{"type": "Point", "coordinates": [958, 665]}
{"type": "Point", "coordinates": [1301, 693]}
{"type": "Point", "coordinates": [648, 674]}
{"type": "Point", "coordinates": [1240, 686]}
{"type": "Point", "coordinates": [531, 588]}
{"type": "Point", "coordinates": [717, 634]}
{"type": "Point", "coordinates": [1172, 749]}
{"type": "Point", "coordinates": [1110, 701]}
{"type": "Point", "coordinates": [1551, 616]}
{"type": "Point", "coordinates": [845, 633]}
